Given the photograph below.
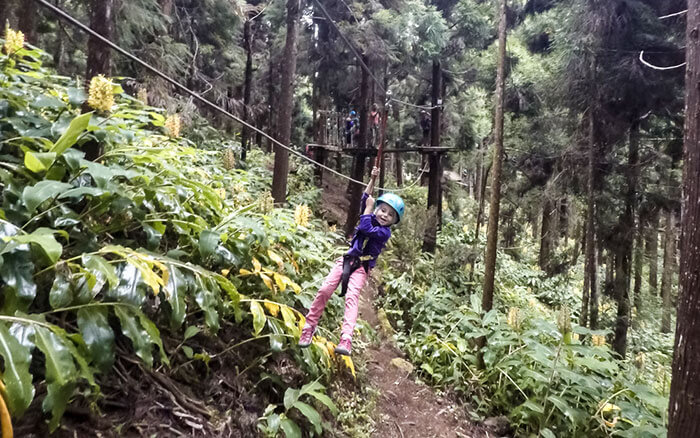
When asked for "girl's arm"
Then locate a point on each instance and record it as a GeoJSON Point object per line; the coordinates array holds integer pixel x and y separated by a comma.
{"type": "Point", "coordinates": [373, 178]}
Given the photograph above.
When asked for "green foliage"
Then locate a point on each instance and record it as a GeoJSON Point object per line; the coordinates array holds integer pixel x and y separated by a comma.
{"type": "Point", "coordinates": [271, 422]}
{"type": "Point", "coordinates": [546, 378]}
{"type": "Point", "coordinates": [135, 245]}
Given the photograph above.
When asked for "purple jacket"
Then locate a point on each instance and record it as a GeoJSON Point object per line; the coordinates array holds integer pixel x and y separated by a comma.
{"type": "Point", "coordinates": [370, 237]}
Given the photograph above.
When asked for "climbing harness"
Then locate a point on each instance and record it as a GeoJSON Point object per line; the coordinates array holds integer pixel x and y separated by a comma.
{"type": "Point", "coordinates": [351, 264]}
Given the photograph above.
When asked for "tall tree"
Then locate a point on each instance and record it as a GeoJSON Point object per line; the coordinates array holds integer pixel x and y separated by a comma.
{"type": "Point", "coordinates": [286, 105]}
{"type": "Point", "coordinates": [684, 402]}
{"type": "Point", "coordinates": [248, 82]}
{"type": "Point", "coordinates": [99, 55]}
{"type": "Point", "coordinates": [495, 201]}
{"type": "Point", "coordinates": [667, 272]}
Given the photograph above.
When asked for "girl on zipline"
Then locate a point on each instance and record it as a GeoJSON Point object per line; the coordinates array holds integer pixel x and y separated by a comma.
{"type": "Point", "coordinates": [351, 270]}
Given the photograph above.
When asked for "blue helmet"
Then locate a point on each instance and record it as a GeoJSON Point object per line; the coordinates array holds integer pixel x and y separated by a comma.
{"type": "Point", "coordinates": [393, 201]}
{"type": "Point", "coordinates": [352, 113]}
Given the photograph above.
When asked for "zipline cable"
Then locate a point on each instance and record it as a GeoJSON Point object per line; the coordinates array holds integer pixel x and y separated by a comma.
{"type": "Point", "coordinates": [186, 90]}
{"type": "Point", "coordinates": [354, 50]}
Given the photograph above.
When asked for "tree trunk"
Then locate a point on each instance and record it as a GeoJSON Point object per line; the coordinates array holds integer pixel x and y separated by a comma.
{"type": "Point", "coordinates": [667, 273]}
{"type": "Point", "coordinates": [398, 157]}
{"type": "Point", "coordinates": [547, 234]}
{"type": "Point", "coordinates": [27, 21]}
{"type": "Point", "coordinates": [99, 55]}
{"type": "Point", "coordinates": [638, 255]}
{"type": "Point", "coordinates": [495, 202]}
{"type": "Point", "coordinates": [286, 106]}
{"type": "Point", "coordinates": [434, 198]}
{"type": "Point", "coordinates": [622, 278]}
{"type": "Point", "coordinates": [652, 249]}
{"type": "Point", "coordinates": [586, 294]}
{"type": "Point", "coordinates": [247, 85]}
{"type": "Point", "coordinates": [354, 190]}
{"type": "Point", "coordinates": [591, 267]}
{"type": "Point", "coordinates": [271, 125]}
{"type": "Point", "coordinates": [7, 8]}
{"type": "Point", "coordinates": [684, 402]}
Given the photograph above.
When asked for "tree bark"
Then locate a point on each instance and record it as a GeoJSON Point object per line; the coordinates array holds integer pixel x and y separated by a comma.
{"type": "Point", "coordinates": [684, 402]}
{"type": "Point", "coordinates": [495, 201]}
{"type": "Point", "coordinates": [7, 15]}
{"type": "Point", "coordinates": [667, 273]}
{"type": "Point", "coordinates": [638, 255]}
{"type": "Point", "coordinates": [623, 276]}
{"type": "Point", "coordinates": [586, 294]}
{"type": "Point", "coordinates": [652, 250]}
{"type": "Point", "coordinates": [546, 234]}
{"type": "Point", "coordinates": [247, 85]}
{"type": "Point", "coordinates": [591, 267]}
{"type": "Point", "coordinates": [434, 198]}
{"type": "Point", "coordinates": [271, 125]}
{"type": "Point", "coordinates": [289, 65]}
{"type": "Point", "coordinates": [99, 55]}
{"type": "Point", "coordinates": [27, 21]}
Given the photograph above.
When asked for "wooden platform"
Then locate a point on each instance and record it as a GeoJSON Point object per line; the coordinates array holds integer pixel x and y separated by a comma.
{"type": "Point", "coordinates": [372, 151]}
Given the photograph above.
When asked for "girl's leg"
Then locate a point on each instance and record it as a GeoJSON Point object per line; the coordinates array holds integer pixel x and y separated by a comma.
{"type": "Point", "coordinates": [352, 301]}
{"type": "Point", "coordinates": [324, 293]}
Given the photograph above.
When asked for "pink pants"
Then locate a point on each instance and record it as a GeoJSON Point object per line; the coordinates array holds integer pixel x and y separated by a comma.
{"type": "Point", "coordinates": [352, 297]}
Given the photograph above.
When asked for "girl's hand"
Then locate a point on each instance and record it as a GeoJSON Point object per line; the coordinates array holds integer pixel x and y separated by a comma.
{"type": "Point", "coordinates": [375, 172]}
{"type": "Point", "coordinates": [369, 205]}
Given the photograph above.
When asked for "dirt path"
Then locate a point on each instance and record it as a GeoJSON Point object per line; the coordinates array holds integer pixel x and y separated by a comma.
{"type": "Point", "coordinates": [405, 409]}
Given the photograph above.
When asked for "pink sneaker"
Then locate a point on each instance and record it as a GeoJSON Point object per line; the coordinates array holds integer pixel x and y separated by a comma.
{"type": "Point", "coordinates": [307, 335]}
{"type": "Point", "coordinates": [344, 347]}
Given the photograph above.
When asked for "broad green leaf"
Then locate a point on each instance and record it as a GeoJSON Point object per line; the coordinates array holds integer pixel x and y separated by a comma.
{"type": "Point", "coordinates": [131, 287]}
{"type": "Point", "coordinates": [323, 398]}
{"type": "Point", "coordinates": [79, 192]}
{"type": "Point", "coordinates": [175, 292]}
{"type": "Point", "coordinates": [311, 413]}
{"type": "Point", "coordinates": [76, 96]}
{"type": "Point", "coordinates": [131, 327]}
{"type": "Point", "coordinates": [154, 335]}
{"type": "Point", "coordinates": [191, 331]}
{"type": "Point", "coordinates": [258, 317]}
{"type": "Point", "coordinates": [96, 263]}
{"type": "Point", "coordinates": [208, 241]}
{"type": "Point", "coordinates": [43, 237]}
{"type": "Point", "coordinates": [18, 382]}
{"type": "Point", "coordinates": [34, 195]}
{"type": "Point", "coordinates": [291, 396]}
{"type": "Point", "coordinates": [61, 294]}
{"type": "Point", "coordinates": [574, 415]}
{"type": "Point", "coordinates": [189, 353]}
{"type": "Point", "coordinates": [61, 373]}
{"type": "Point", "coordinates": [546, 433]}
{"type": "Point", "coordinates": [17, 272]}
{"type": "Point", "coordinates": [206, 297]}
{"type": "Point", "coordinates": [290, 428]}
{"type": "Point", "coordinates": [98, 335]}
{"type": "Point", "coordinates": [38, 161]}
{"type": "Point", "coordinates": [68, 139]}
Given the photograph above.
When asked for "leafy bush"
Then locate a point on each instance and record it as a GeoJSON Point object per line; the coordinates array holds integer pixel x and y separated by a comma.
{"type": "Point", "coordinates": [546, 377]}
{"type": "Point", "coordinates": [153, 236]}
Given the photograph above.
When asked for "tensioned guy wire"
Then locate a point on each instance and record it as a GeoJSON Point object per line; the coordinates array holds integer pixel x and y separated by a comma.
{"type": "Point", "coordinates": [186, 90]}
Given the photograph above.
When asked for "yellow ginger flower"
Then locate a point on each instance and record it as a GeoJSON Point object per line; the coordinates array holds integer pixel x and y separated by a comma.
{"type": "Point", "coordinates": [142, 95]}
{"type": "Point", "coordinates": [598, 340]}
{"type": "Point", "coordinates": [301, 215]}
{"type": "Point", "coordinates": [229, 159]}
{"type": "Point", "coordinates": [172, 124]}
{"type": "Point", "coordinates": [14, 40]}
{"type": "Point", "coordinates": [564, 320]}
{"type": "Point", "coordinates": [333, 228]}
{"type": "Point", "coordinates": [514, 317]}
{"type": "Point", "coordinates": [221, 192]}
{"type": "Point", "coordinates": [639, 360]}
{"type": "Point", "coordinates": [100, 95]}
{"type": "Point", "coordinates": [267, 203]}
